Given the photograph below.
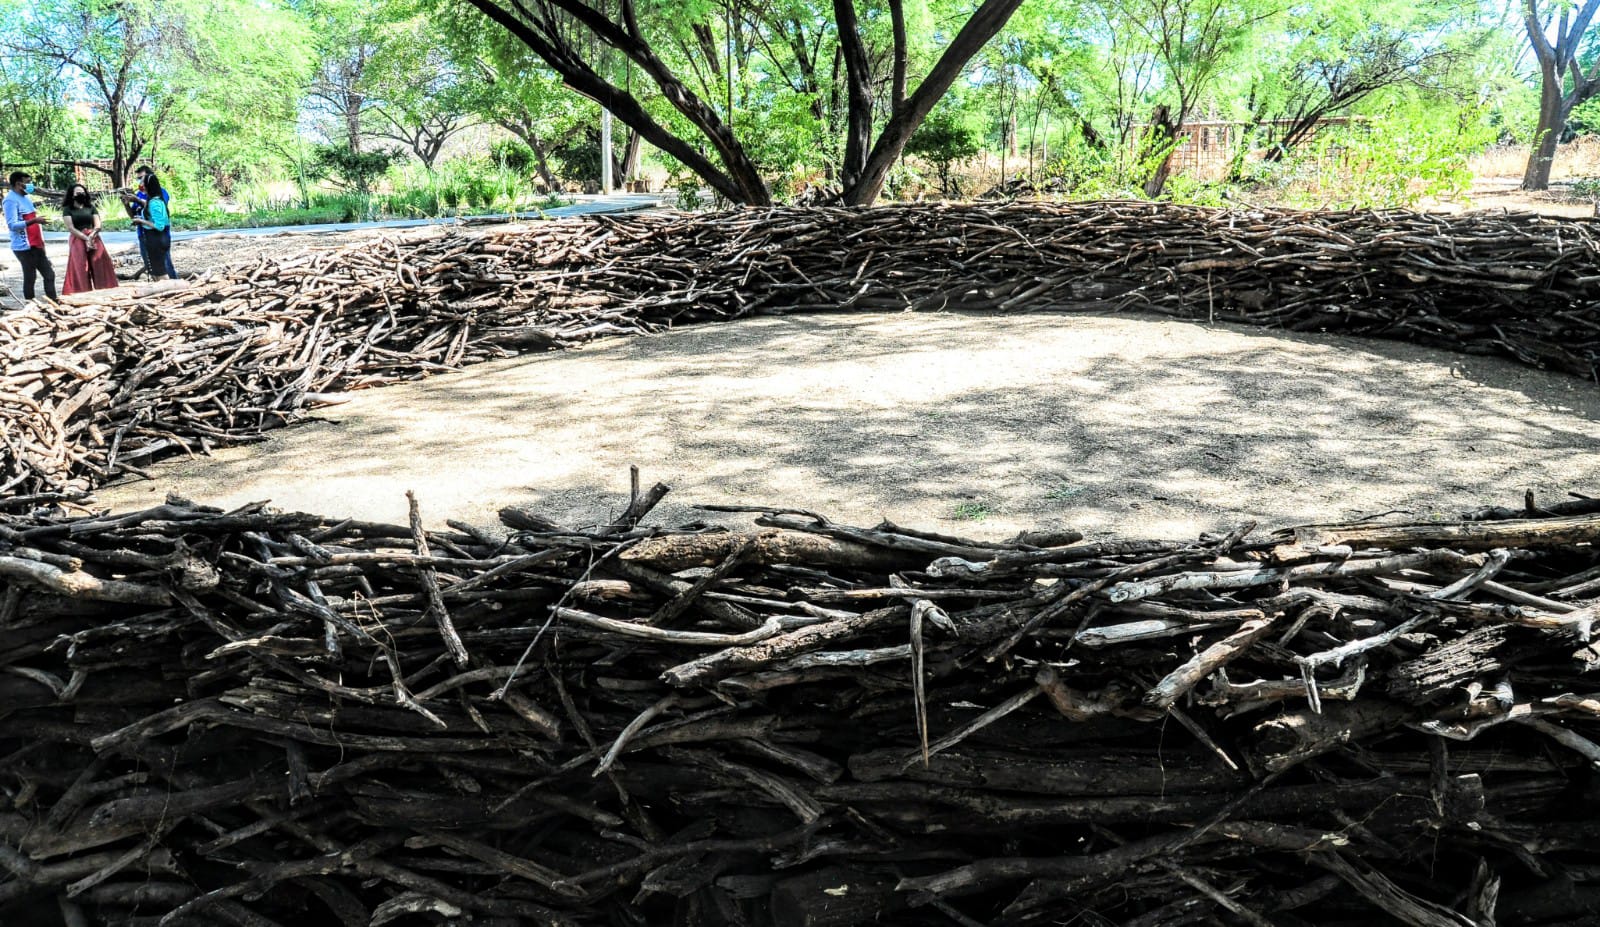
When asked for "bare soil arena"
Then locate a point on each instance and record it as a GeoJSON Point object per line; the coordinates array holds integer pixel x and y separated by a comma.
{"type": "Point", "coordinates": [967, 423]}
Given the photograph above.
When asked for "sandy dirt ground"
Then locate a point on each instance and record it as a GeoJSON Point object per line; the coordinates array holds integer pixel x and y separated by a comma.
{"type": "Point", "coordinates": [971, 424]}
{"type": "Point", "coordinates": [11, 272]}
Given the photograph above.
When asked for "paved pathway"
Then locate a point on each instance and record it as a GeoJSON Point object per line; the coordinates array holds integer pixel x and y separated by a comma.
{"type": "Point", "coordinates": [56, 242]}
{"type": "Point", "coordinates": [585, 206]}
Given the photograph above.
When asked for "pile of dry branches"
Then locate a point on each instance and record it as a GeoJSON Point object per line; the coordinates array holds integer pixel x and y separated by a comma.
{"type": "Point", "coordinates": [94, 389]}
{"type": "Point", "coordinates": [264, 719]}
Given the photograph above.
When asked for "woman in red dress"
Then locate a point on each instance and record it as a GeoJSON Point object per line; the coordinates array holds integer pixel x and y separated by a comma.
{"type": "Point", "coordinates": [89, 267]}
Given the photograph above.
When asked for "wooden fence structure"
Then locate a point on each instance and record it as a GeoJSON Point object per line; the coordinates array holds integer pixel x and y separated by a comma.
{"type": "Point", "coordinates": [1206, 147]}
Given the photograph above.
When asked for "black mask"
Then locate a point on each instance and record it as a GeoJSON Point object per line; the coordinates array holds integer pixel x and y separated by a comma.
{"type": "Point", "coordinates": [82, 199]}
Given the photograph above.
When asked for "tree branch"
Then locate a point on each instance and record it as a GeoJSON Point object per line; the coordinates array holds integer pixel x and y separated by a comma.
{"type": "Point", "coordinates": [583, 79]}
{"type": "Point", "coordinates": [902, 55]}
{"type": "Point", "coordinates": [989, 19]}
{"type": "Point", "coordinates": [858, 82]}
{"type": "Point", "coordinates": [1536, 36]}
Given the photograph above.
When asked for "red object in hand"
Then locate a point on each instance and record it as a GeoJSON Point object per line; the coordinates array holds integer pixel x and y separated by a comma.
{"type": "Point", "coordinates": [35, 230]}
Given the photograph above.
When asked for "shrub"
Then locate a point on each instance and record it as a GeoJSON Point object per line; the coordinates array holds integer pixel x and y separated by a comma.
{"type": "Point", "coordinates": [944, 138]}
{"type": "Point", "coordinates": [1393, 160]}
{"type": "Point", "coordinates": [479, 183]}
{"type": "Point", "coordinates": [343, 207]}
{"type": "Point", "coordinates": [412, 203]}
{"type": "Point", "coordinates": [1088, 170]}
{"type": "Point", "coordinates": [355, 169]}
{"type": "Point", "coordinates": [688, 193]}
{"type": "Point", "coordinates": [1182, 188]}
{"type": "Point", "coordinates": [579, 159]}
{"type": "Point", "coordinates": [480, 190]}
{"type": "Point", "coordinates": [513, 155]}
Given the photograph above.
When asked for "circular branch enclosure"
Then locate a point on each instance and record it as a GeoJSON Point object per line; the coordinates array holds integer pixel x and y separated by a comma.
{"type": "Point", "coordinates": [258, 718]}
{"type": "Point", "coordinates": [95, 388]}
{"type": "Point", "coordinates": [266, 719]}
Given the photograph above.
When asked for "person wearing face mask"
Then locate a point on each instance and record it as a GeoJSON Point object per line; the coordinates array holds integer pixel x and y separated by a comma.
{"type": "Point", "coordinates": [157, 228]}
{"type": "Point", "coordinates": [89, 267]}
{"type": "Point", "coordinates": [138, 205]}
{"type": "Point", "coordinates": [27, 236]}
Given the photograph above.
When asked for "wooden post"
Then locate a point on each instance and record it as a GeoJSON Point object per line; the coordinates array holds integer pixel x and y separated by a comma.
{"type": "Point", "coordinates": [605, 151]}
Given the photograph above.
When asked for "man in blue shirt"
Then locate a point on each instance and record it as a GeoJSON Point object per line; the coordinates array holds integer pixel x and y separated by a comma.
{"type": "Point", "coordinates": [27, 236]}
{"type": "Point", "coordinates": [135, 204]}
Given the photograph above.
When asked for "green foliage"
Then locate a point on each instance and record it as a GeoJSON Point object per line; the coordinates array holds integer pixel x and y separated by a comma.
{"type": "Point", "coordinates": [1094, 171]}
{"type": "Point", "coordinates": [413, 203]}
{"type": "Point", "coordinates": [972, 510]}
{"type": "Point", "coordinates": [505, 85]}
{"type": "Point", "coordinates": [254, 68]}
{"type": "Point", "coordinates": [326, 208]}
{"type": "Point", "coordinates": [37, 127]}
{"type": "Point", "coordinates": [460, 185]}
{"type": "Point", "coordinates": [480, 183]}
{"type": "Point", "coordinates": [782, 134]}
{"type": "Point", "coordinates": [1396, 159]}
{"type": "Point", "coordinates": [480, 191]}
{"type": "Point", "coordinates": [1182, 188]}
{"type": "Point", "coordinates": [416, 92]}
{"type": "Point", "coordinates": [224, 104]}
{"type": "Point", "coordinates": [1586, 187]}
{"type": "Point", "coordinates": [356, 170]}
{"type": "Point", "coordinates": [206, 74]}
{"type": "Point", "coordinates": [579, 158]}
{"type": "Point", "coordinates": [688, 194]}
{"type": "Point", "coordinates": [513, 155]}
{"type": "Point", "coordinates": [945, 137]}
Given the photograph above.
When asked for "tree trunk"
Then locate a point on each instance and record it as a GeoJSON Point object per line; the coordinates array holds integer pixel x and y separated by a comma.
{"type": "Point", "coordinates": [630, 157]}
{"type": "Point", "coordinates": [989, 19]}
{"type": "Point", "coordinates": [119, 148]}
{"type": "Point", "coordinates": [1157, 145]}
{"type": "Point", "coordinates": [902, 55]}
{"type": "Point", "coordinates": [1011, 123]}
{"type": "Point", "coordinates": [858, 79]}
{"type": "Point", "coordinates": [541, 163]}
{"type": "Point", "coordinates": [1552, 122]}
{"type": "Point", "coordinates": [352, 127]}
{"type": "Point", "coordinates": [427, 150]}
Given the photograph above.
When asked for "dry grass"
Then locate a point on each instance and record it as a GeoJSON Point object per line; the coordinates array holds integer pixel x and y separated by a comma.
{"type": "Point", "coordinates": [1497, 175]}
{"type": "Point", "coordinates": [1493, 170]}
{"type": "Point", "coordinates": [1576, 160]}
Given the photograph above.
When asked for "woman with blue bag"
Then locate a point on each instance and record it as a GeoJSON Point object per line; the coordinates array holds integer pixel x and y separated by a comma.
{"type": "Point", "coordinates": [157, 225]}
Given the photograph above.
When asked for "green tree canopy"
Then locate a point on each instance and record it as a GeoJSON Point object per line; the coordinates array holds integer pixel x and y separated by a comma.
{"type": "Point", "coordinates": [144, 66]}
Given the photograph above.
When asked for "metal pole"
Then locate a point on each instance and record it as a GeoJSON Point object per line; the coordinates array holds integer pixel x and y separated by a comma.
{"type": "Point", "coordinates": [605, 151]}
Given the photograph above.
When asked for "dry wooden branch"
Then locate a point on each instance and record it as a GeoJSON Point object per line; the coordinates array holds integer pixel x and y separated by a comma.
{"type": "Point", "coordinates": [269, 724]}
{"type": "Point", "coordinates": [101, 384]}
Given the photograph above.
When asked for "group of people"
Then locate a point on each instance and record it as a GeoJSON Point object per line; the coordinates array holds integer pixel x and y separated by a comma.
{"type": "Point", "coordinates": [89, 267]}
